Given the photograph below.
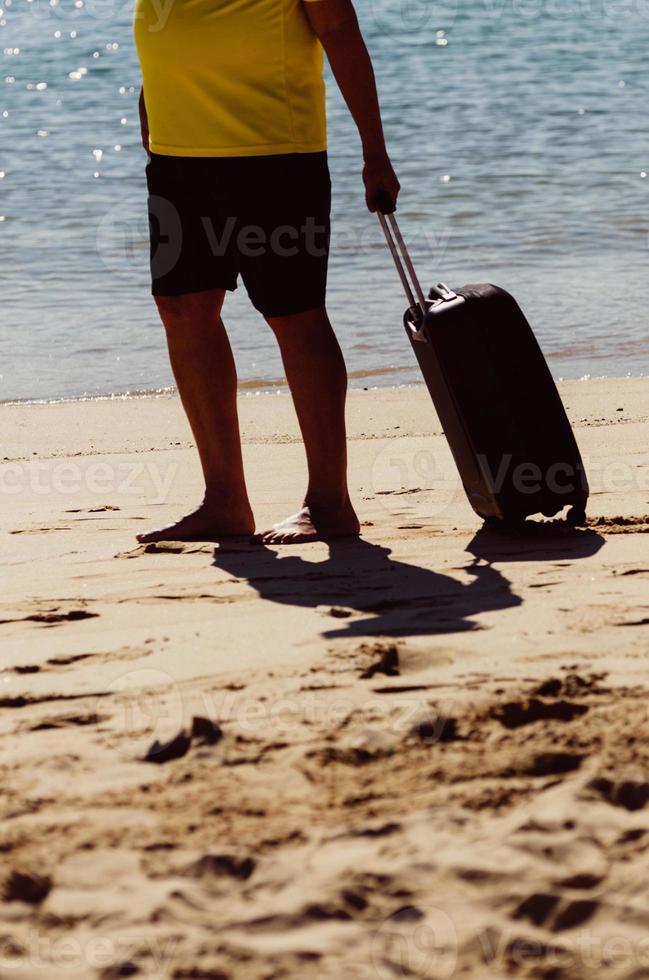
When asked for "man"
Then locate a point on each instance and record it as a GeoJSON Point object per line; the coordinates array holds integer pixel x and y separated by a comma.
{"type": "Point", "coordinates": [233, 116]}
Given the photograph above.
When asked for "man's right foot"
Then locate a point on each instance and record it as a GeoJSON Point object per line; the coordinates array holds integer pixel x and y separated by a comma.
{"type": "Point", "coordinates": [305, 526]}
{"type": "Point", "coordinates": [206, 523]}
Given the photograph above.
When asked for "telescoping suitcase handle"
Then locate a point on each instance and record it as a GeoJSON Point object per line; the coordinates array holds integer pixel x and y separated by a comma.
{"type": "Point", "coordinates": [396, 244]}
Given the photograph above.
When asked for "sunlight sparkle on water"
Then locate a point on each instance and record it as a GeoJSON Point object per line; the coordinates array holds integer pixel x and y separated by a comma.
{"type": "Point", "coordinates": [538, 197]}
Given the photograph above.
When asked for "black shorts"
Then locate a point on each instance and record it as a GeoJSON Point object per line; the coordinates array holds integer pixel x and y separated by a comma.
{"type": "Point", "coordinates": [266, 217]}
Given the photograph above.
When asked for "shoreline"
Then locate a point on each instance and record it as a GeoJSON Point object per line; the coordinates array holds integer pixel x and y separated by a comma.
{"type": "Point", "coordinates": [276, 386]}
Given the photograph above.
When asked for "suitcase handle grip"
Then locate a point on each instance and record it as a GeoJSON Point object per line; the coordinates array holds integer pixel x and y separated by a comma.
{"type": "Point", "coordinates": [397, 245]}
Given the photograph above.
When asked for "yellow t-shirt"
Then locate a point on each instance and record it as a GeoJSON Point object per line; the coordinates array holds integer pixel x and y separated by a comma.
{"type": "Point", "coordinates": [230, 77]}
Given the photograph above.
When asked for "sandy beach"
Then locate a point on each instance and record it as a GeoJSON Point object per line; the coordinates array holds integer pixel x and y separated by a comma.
{"type": "Point", "coordinates": [419, 754]}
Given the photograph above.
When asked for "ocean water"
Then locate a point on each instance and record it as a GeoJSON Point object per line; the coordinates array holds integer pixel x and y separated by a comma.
{"type": "Point", "coordinates": [519, 130]}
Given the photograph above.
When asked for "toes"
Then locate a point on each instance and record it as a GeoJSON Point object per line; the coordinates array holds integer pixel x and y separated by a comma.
{"type": "Point", "coordinates": [162, 534]}
{"type": "Point", "coordinates": [290, 537]}
{"type": "Point", "coordinates": [262, 537]}
{"type": "Point", "coordinates": [269, 537]}
{"type": "Point", "coordinates": [148, 537]}
{"type": "Point", "coordinates": [286, 533]}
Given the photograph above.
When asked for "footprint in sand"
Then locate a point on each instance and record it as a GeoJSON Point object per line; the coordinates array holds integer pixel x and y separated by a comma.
{"type": "Point", "coordinates": [92, 510]}
{"type": "Point", "coordinates": [516, 714]}
{"type": "Point", "coordinates": [67, 721]}
{"type": "Point", "coordinates": [53, 617]}
{"type": "Point", "coordinates": [167, 548]}
{"type": "Point", "coordinates": [40, 530]}
{"type": "Point", "coordinates": [555, 914]}
{"type": "Point", "coordinates": [629, 794]}
{"type": "Point", "coordinates": [57, 663]}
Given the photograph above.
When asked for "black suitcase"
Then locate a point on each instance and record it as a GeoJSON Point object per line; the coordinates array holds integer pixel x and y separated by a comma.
{"type": "Point", "coordinates": [495, 397]}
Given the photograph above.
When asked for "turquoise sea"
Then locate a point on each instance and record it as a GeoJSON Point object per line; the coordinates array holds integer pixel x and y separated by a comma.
{"type": "Point", "coordinates": [519, 130]}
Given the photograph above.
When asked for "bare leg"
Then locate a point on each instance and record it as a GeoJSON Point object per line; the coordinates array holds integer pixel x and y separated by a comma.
{"type": "Point", "coordinates": [317, 377]}
{"type": "Point", "coordinates": [203, 365]}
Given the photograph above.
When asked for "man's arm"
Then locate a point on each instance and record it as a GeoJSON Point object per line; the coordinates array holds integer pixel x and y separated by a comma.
{"type": "Point", "coordinates": [144, 121]}
{"type": "Point", "coordinates": [336, 25]}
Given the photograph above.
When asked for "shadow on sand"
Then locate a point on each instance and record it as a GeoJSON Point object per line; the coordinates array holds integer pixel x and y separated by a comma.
{"type": "Point", "coordinates": [535, 541]}
{"type": "Point", "coordinates": [400, 599]}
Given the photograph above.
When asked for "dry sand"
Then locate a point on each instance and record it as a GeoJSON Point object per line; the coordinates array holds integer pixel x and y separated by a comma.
{"type": "Point", "coordinates": [423, 754]}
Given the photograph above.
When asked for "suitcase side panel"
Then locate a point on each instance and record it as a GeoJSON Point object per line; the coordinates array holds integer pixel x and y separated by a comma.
{"type": "Point", "coordinates": [449, 394]}
{"type": "Point", "coordinates": [547, 457]}
{"type": "Point", "coordinates": [500, 407]}
{"type": "Point", "coordinates": [458, 435]}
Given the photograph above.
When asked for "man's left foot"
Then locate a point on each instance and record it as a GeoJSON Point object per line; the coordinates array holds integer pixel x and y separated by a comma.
{"type": "Point", "coordinates": [304, 526]}
{"type": "Point", "coordinates": [206, 523]}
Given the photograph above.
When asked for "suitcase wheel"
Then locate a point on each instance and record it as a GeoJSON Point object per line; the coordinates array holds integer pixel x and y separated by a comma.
{"type": "Point", "coordinates": [576, 516]}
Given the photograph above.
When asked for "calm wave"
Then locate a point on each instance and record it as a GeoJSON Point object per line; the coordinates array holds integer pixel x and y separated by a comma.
{"type": "Point", "coordinates": [519, 132]}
